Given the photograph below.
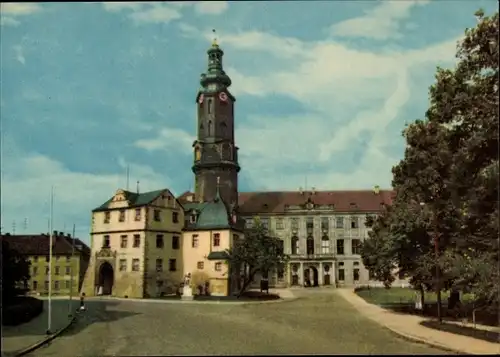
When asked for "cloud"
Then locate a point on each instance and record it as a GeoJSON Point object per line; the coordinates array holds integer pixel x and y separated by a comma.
{"type": "Point", "coordinates": [211, 7]}
{"type": "Point", "coordinates": [381, 23]}
{"type": "Point", "coordinates": [19, 54]}
{"type": "Point", "coordinates": [167, 139]}
{"type": "Point", "coordinates": [156, 14]}
{"type": "Point", "coordinates": [9, 12]}
{"type": "Point", "coordinates": [349, 99]}
{"type": "Point", "coordinates": [119, 6]}
{"type": "Point", "coordinates": [27, 179]}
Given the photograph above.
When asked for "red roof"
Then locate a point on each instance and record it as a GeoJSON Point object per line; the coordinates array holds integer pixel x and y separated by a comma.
{"type": "Point", "coordinates": [281, 201]}
{"type": "Point", "coordinates": [38, 244]}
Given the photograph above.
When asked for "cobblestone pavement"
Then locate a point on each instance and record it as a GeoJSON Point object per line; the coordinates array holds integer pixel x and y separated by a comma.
{"type": "Point", "coordinates": [313, 324]}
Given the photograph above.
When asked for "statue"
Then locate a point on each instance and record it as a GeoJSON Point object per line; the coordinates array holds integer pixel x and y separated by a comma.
{"type": "Point", "coordinates": [187, 279]}
{"type": "Point", "coordinates": [187, 292]}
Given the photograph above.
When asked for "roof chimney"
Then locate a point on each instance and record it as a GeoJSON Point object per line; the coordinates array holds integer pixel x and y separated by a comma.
{"type": "Point", "coordinates": [376, 189]}
{"type": "Point", "coordinates": [301, 191]}
{"type": "Point", "coordinates": [54, 233]}
{"type": "Point", "coordinates": [313, 190]}
{"type": "Point", "coordinates": [61, 234]}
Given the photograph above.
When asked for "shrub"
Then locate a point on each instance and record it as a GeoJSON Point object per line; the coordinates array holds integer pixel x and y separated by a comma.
{"type": "Point", "coordinates": [21, 310]}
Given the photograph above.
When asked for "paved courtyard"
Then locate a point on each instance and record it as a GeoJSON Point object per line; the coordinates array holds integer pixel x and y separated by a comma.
{"type": "Point", "coordinates": [317, 323]}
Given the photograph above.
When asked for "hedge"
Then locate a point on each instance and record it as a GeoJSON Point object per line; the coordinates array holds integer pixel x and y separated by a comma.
{"type": "Point", "coordinates": [22, 310]}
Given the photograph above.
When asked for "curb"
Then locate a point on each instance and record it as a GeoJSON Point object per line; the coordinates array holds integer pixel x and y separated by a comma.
{"type": "Point", "coordinates": [45, 340]}
{"type": "Point", "coordinates": [405, 335]}
{"type": "Point", "coordinates": [217, 302]}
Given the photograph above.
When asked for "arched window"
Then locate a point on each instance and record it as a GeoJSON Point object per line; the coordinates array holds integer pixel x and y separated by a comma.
{"type": "Point", "coordinates": [197, 154]}
{"type": "Point", "coordinates": [209, 105]}
{"type": "Point", "coordinates": [310, 245]}
{"type": "Point", "coordinates": [295, 245]}
{"type": "Point", "coordinates": [209, 128]}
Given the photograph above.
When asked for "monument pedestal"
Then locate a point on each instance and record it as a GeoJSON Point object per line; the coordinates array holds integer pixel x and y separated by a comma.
{"type": "Point", "coordinates": [187, 293]}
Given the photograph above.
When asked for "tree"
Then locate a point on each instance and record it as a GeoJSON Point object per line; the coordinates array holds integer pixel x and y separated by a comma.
{"type": "Point", "coordinates": [15, 271]}
{"type": "Point", "coordinates": [447, 182]}
{"type": "Point", "coordinates": [257, 252]}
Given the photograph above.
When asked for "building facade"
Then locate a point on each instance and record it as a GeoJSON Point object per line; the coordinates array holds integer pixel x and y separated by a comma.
{"type": "Point", "coordinates": [70, 259]}
{"type": "Point", "coordinates": [136, 241]}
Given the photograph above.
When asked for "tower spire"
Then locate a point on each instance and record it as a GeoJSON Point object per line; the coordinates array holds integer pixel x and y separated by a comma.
{"type": "Point", "coordinates": [214, 40]}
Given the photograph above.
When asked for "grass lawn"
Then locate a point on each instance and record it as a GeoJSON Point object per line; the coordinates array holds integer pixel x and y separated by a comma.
{"type": "Point", "coordinates": [398, 295]}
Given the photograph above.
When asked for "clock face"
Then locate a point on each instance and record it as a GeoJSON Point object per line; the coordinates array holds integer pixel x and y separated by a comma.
{"type": "Point", "coordinates": [223, 96]}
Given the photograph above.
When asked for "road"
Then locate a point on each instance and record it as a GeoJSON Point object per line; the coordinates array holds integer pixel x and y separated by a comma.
{"type": "Point", "coordinates": [318, 323]}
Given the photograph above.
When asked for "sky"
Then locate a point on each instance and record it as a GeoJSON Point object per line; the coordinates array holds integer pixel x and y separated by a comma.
{"type": "Point", "coordinates": [323, 88]}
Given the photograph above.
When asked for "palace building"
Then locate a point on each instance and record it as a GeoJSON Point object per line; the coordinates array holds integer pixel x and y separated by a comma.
{"type": "Point", "coordinates": [143, 244]}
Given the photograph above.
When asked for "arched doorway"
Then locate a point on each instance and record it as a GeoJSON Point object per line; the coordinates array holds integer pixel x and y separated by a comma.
{"type": "Point", "coordinates": [311, 277]}
{"type": "Point", "coordinates": [106, 279]}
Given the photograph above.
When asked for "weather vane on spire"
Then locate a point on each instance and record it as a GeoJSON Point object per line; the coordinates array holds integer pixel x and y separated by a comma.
{"type": "Point", "coordinates": [214, 41]}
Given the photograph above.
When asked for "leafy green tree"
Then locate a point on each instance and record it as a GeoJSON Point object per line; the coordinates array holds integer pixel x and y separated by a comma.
{"type": "Point", "coordinates": [257, 252]}
{"type": "Point", "coordinates": [15, 273]}
{"type": "Point", "coordinates": [447, 183]}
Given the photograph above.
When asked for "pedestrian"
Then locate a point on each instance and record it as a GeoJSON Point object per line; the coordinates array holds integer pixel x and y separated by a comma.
{"type": "Point", "coordinates": [82, 302]}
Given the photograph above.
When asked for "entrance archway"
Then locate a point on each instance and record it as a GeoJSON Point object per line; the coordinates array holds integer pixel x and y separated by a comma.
{"type": "Point", "coordinates": [106, 278]}
{"type": "Point", "coordinates": [311, 277]}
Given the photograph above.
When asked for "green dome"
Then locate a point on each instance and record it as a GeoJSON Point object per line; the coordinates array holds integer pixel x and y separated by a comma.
{"type": "Point", "coordinates": [213, 215]}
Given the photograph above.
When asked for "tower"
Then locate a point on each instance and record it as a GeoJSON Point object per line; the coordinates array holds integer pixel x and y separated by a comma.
{"type": "Point", "coordinates": [215, 153]}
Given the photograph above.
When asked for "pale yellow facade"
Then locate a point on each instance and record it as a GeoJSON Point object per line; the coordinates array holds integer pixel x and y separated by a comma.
{"type": "Point", "coordinates": [136, 249]}
{"type": "Point", "coordinates": [197, 249]}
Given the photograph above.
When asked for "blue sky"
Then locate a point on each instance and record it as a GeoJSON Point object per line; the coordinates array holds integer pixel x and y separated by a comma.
{"type": "Point", "coordinates": [323, 91]}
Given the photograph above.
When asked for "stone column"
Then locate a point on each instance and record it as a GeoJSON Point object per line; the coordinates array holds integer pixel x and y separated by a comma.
{"type": "Point", "coordinates": [320, 274]}
{"type": "Point", "coordinates": [301, 274]}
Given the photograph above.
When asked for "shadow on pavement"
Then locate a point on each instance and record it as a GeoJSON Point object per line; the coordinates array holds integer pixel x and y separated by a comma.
{"type": "Point", "coordinates": [489, 336]}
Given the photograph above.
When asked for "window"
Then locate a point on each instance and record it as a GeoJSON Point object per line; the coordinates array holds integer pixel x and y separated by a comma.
{"type": "Point", "coordinates": [68, 271]}
{"type": "Point", "coordinates": [216, 239]}
{"type": "Point", "coordinates": [159, 241]}
{"type": "Point", "coordinates": [47, 259]}
{"type": "Point", "coordinates": [175, 242]}
{"type": "Point", "coordinates": [68, 258]}
{"type": "Point", "coordinates": [325, 223]}
{"type": "Point", "coordinates": [56, 285]}
{"type": "Point", "coordinates": [123, 241]}
{"type": "Point", "coordinates": [341, 274]}
{"type": "Point", "coordinates": [209, 107]}
{"type": "Point", "coordinates": [137, 214]}
{"type": "Point", "coordinates": [218, 266]}
{"type": "Point", "coordinates": [265, 223]}
{"type": "Point", "coordinates": [281, 272]}
{"type": "Point", "coordinates": [356, 246]}
{"type": "Point", "coordinates": [35, 259]}
{"type": "Point", "coordinates": [310, 245]}
{"type": "Point", "coordinates": [46, 285]}
{"type": "Point", "coordinates": [156, 215]}
{"type": "Point", "coordinates": [123, 265]}
{"type": "Point", "coordinates": [105, 242]}
{"type": "Point", "coordinates": [121, 218]}
{"type": "Point", "coordinates": [135, 264]}
{"type": "Point", "coordinates": [107, 217]}
{"type": "Point", "coordinates": [355, 274]}
{"type": "Point", "coordinates": [159, 265]}
{"type": "Point", "coordinates": [309, 225]}
{"type": "Point", "coordinates": [47, 270]}
{"type": "Point", "coordinates": [175, 217]}
{"type": "Point", "coordinates": [172, 265]}
{"type": "Point", "coordinates": [281, 247]}
{"type": "Point", "coordinates": [57, 270]}
{"type": "Point", "coordinates": [325, 245]}
{"type": "Point", "coordinates": [340, 246]}
{"type": "Point", "coordinates": [35, 285]}
{"type": "Point", "coordinates": [200, 265]}
{"type": "Point", "coordinates": [354, 222]}
{"type": "Point", "coordinates": [35, 270]}
{"type": "Point", "coordinates": [137, 241]}
{"type": "Point", "coordinates": [66, 284]}
{"type": "Point", "coordinates": [279, 223]}
{"type": "Point", "coordinates": [295, 245]}
{"type": "Point", "coordinates": [339, 222]}
{"type": "Point", "coordinates": [192, 218]}
{"type": "Point", "coordinates": [194, 241]}
{"type": "Point", "coordinates": [249, 223]}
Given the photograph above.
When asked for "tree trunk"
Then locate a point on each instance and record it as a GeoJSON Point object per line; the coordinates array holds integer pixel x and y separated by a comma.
{"type": "Point", "coordinates": [246, 283]}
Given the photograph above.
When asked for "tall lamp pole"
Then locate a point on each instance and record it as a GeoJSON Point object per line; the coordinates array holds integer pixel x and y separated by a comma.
{"type": "Point", "coordinates": [51, 224]}
{"type": "Point", "coordinates": [70, 307]}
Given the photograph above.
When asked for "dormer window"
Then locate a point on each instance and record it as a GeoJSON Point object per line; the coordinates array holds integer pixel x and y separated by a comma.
{"type": "Point", "coordinates": [193, 218]}
{"type": "Point", "coordinates": [353, 206]}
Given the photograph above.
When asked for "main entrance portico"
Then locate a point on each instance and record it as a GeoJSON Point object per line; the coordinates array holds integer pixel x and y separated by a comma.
{"type": "Point", "coordinates": [311, 273]}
